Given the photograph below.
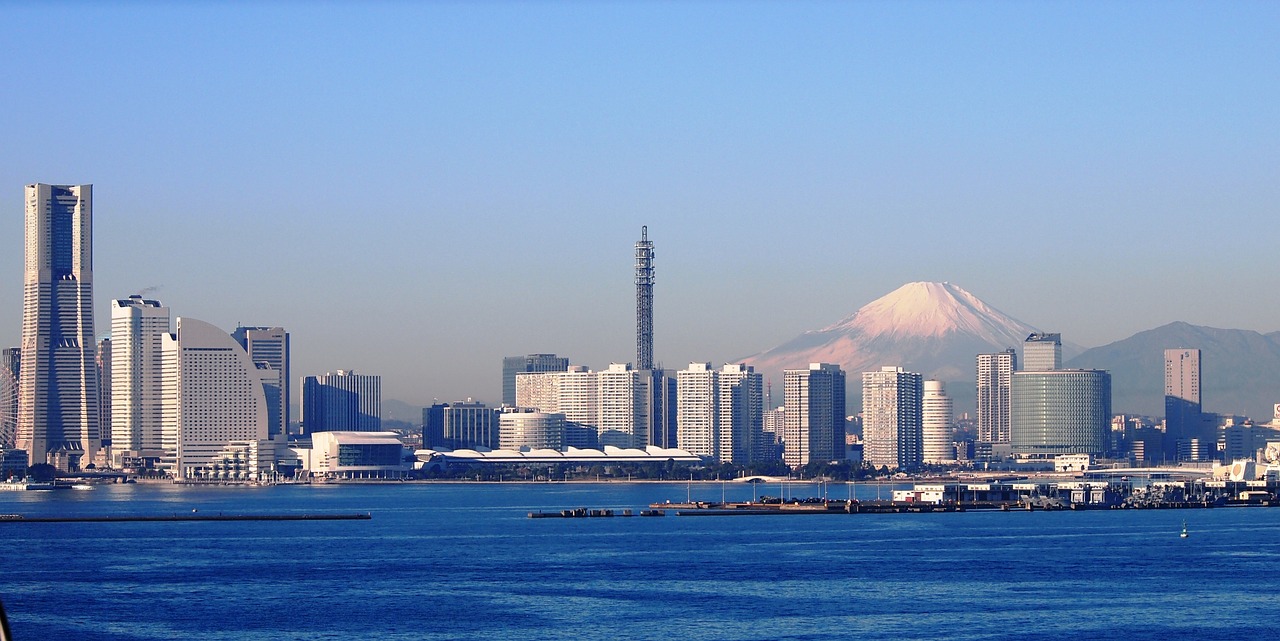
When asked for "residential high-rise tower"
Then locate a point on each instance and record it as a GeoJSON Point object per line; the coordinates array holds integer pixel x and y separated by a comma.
{"type": "Point", "coordinates": [891, 417]}
{"type": "Point", "coordinates": [994, 373]}
{"type": "Point", "coordinates": [138, 330]}
{"type": "Point", "coordinates": [58, 385]}
{"type": "Point", "coordinates": [814, 399]}
{"type": "Point", "coordinates": [1183, 413]}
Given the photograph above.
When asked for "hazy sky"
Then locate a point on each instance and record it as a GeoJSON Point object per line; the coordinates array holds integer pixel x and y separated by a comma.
{"type": "Point", "coordinates": [417, 189]}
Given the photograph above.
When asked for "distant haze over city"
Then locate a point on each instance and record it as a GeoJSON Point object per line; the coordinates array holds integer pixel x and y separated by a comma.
{"type": "Point", "coordinates": [418, 191]}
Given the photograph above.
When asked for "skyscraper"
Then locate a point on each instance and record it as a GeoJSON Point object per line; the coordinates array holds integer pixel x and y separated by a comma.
{"type": "Point", "coordinates": [935, 422]}
{"type": "Point", "coordinates": [215, 410]}
{"type": "Point", "coordinates": [814, 399]}
{"type": "Point", "coordinates": [342, 402]}
{"type": "Point", "coordinates": [1183, 413]}
{"type": "Point", "coordinates": [58, 385]}
{"type": "Point", "coordinates": [512, 365]}
{"type": "Point", "coordinates": [644, 301]}
{"type": "Point", "coordinates": [994, 374]}
{"type": "Point", "coordinates": [138, 330]}
{"type": "Point", "coordinates": [270, 346]}
{"type": "Point", "coordinates": [1042, 352]}
{"type": "Point", "coordinates": [891, 417]}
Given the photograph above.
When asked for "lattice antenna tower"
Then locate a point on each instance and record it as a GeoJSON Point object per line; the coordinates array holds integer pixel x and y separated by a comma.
{"type": "Point", "coordinates": [644, 301]}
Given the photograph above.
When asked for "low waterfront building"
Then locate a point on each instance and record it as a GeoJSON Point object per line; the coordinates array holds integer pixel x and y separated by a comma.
{"type": "Point", "coordinates": [357, 455]}
{"type": "Point", "coordinates": [520, 428]}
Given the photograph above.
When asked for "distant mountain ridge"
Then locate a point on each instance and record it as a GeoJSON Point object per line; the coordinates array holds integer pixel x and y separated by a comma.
{"type": "Point", "coordinates": [933, 328]}
{"type": "Point", "coordinates": [1240, 369]}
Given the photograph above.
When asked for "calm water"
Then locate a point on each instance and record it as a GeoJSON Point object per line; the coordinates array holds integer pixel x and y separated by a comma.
{"type": "Point", "coordinates": [464, 562]}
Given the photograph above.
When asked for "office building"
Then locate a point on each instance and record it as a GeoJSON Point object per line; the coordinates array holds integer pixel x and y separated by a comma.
{"type": "Point", "coordinates": [268, 348]}
{"type": "Point", "coordinates": [1186, 429]}
{"type": "Point", "coordinates": [513, 365]}
{"type": "Point", "coordinates": [10, 369]}
{"type": "Point", "coordinates": [937, 433]}
{"type": "Point", "coordinates": [741, 414]}
{"type": "Point", "coordinates": [771, 444]}
{"type": "Point", "coordinates": [103, 360]}
{"type": "Point", "coordinates": [892, 428]}
{"type": "Point", "coordinates": [814, 399]}
{"type": "Point", "coordinates": [138, 330]}
{"type": "Point", "coordinates": [344, 402]}
{"type": "Point", "coordinates": [1042, 352]}
{"type": "Point", "coordinates": [525, 428]}
{"type": "Point", "coordinates": [58, 409]}
{"type": "Point", "coordinates": [1060, 412]}
{"type": "Point", "coordinates": [462, 425]}
{"type": "Point", "coordinates": [215, 411]}
{"type": "Point", "coordinates": [995, 371]}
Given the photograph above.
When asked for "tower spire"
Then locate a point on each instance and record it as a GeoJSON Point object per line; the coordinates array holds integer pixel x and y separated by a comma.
{"type": "Point", "coordinates": [644, 301]}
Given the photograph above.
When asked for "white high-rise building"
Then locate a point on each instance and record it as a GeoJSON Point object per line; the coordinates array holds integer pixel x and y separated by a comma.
{"type": "Point", "coordinates": [620, 395]}
{"type": "Point", "coordinates": [741, 409]}
{"type": "Point", "coordinates": [58, 383]}
{"type": "Point", "coordinates": [891, 419]}
{"type": "Point", "coordinates": [572, 392]}
{"type": "Point", "coordinates": [138, 329]}
{"type": "Point", "coordinates": [995, 373]}
{"type": "Point", "coordinates": [215, 409]}
{"type": "Point", "coordinates": [697, 404]}
{"type": "Point", "coordinates": [814, 399]}
{"type": "Point", "coordinates": [936, 424]}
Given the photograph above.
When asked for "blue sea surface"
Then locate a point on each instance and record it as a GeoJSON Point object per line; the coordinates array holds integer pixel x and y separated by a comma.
{"type": "Point", "coordinates": [463, 561]}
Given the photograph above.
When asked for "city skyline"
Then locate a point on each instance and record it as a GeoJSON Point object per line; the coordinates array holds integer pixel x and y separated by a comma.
{"type": "Point", "coordinates": [733, 135]}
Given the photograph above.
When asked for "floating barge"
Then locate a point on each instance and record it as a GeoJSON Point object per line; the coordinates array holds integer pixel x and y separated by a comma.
{"type": "Point", "coordinates": [194, 516]}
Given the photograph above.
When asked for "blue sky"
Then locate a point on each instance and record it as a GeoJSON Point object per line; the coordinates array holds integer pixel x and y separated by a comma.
{"type": "Point", "coordinates": [416, 189]}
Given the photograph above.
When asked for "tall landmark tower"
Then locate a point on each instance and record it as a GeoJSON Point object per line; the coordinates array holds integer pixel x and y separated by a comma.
{"type": "Point", "coordinates": [58, 384]}
{"type": "Point", "coordinates": [644, 301]}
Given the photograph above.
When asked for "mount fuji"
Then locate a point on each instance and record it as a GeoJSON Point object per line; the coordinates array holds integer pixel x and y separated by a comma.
{"type": "Point", "coordinates": [936, 329]}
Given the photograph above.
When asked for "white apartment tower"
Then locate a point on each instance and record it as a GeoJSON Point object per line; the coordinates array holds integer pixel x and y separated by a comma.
{"type": "Point", "coordinates": [58, 382]}
{"type": "Point", "coordinates": [697, 404]}
{"type": "Point", "coordinates": [572, 393]}
{"type": "Point", "coordinates": [621, 400]}
{"type": "Point", "coordinates": [891, 418]}
{"type": "Point", "coordinates": [995, 373]}
{"type": "Point", "coordinates": [138, 329]}
{"type": "Point", "coordinates": [936, 424]}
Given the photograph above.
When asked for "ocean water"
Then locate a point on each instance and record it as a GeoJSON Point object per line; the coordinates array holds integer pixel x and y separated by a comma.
{"type": "Point", "coordinates": [462, 561]}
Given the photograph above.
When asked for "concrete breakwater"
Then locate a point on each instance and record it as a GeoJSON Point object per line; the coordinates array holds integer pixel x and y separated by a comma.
{"type": "Point", "coordinates": [194, 516]}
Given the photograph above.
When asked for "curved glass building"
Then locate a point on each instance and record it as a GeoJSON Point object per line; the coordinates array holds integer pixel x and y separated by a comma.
{"type": "Point", "coordinates": [1065, 411]}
